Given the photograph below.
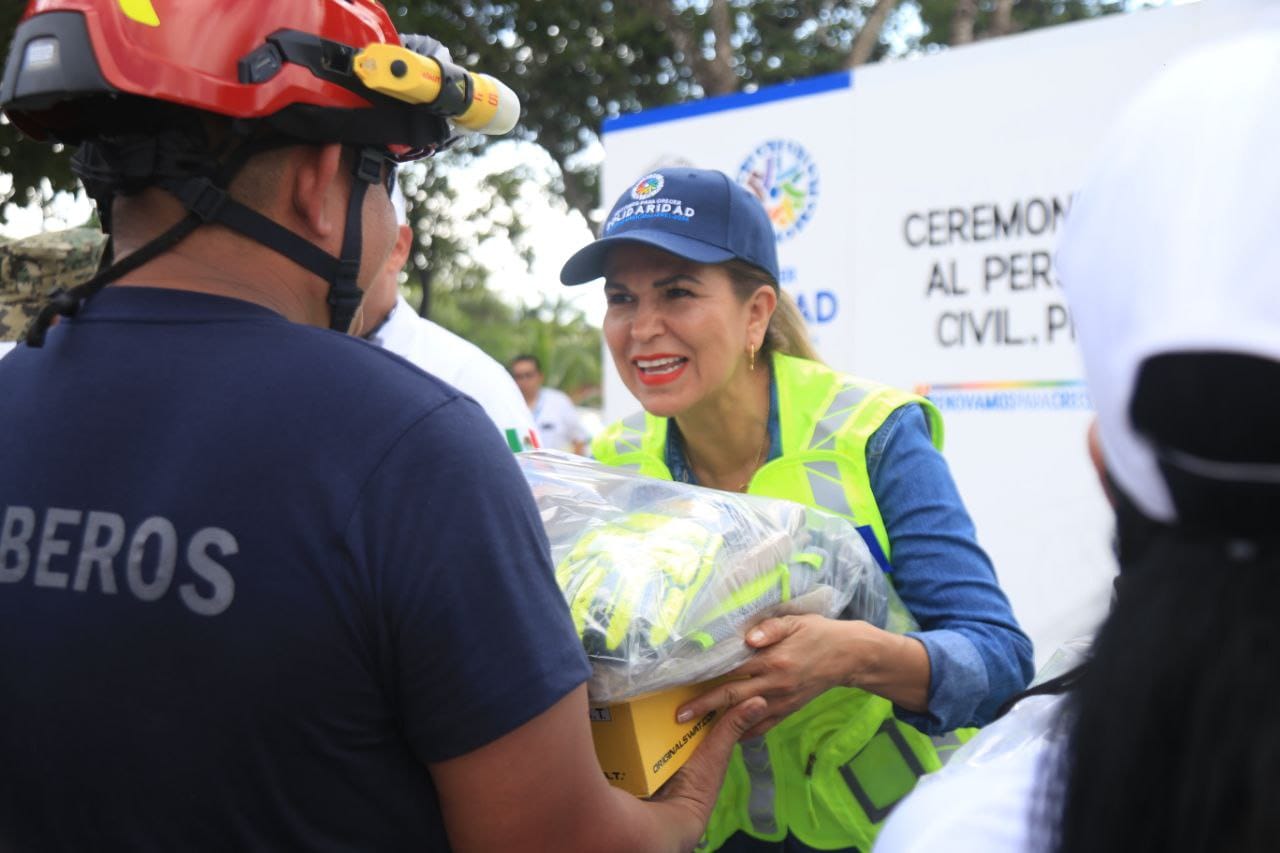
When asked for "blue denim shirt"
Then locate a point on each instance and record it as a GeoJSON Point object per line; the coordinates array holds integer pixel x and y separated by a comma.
{"type": "Point", "coordinates": [978, 656]}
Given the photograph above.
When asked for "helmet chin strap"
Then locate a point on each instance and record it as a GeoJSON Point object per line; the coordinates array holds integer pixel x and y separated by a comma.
{"type": "Point", "coordinates": [210, 203]}
{"type": "Point", "coordinates": [206, 201]}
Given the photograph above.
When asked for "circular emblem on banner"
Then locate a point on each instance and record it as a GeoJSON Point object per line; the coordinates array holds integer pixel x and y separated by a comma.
{"type": "Point", "coordinates": [648, 187]}
{"type": "Point", "coordinates": [784, 177]}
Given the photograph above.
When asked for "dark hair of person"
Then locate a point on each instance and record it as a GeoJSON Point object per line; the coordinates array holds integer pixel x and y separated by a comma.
{"type": "Point", "coordinates": [1174, 724]}
{"type": "Point", "coordinates": [787, 332]}
{"type": "Point", "coordinates": [524, 356]}
{"type": "Point", "coordinates": [1173, 727]}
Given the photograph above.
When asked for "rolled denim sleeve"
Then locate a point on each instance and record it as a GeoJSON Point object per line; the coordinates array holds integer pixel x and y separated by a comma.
{"type": "Point", "coordinates": [978, 655]}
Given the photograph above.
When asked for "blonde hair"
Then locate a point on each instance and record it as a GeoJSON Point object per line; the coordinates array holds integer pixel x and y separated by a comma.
{"type": "Point", "coordinates": [787, 332]}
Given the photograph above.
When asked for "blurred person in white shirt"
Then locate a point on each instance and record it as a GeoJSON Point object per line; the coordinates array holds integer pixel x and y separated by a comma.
{"type": "Point", "coordinates": [554, 414]}
{"type": "Point", "coordinates": [388, 321]}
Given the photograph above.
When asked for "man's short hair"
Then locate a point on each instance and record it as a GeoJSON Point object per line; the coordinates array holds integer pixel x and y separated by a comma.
{"type": "Point", "coordinates": [526, 357]}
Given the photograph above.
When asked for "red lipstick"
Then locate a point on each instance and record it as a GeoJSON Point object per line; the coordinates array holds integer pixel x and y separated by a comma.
{"type": "Point", "coordinates": [659, 368]}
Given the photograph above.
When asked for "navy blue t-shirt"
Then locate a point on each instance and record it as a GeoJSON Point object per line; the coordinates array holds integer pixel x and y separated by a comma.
{"type": "Point", "coordinates": [253, 576]}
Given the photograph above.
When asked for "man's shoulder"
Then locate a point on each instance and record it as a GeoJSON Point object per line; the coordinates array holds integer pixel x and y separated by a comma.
{"type": "Point", "coordinates": [373, 406]}
{"type": "Point", "coordinates": [356, 361]}
{"type": "Point", "coordinates": [318, 374]}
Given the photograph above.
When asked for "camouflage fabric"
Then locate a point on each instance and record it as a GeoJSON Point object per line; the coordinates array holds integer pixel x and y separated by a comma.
{"type": "Point", "coordinates": [34, 267]}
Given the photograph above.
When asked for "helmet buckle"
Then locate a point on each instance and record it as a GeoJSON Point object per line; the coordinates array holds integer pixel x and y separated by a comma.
{"type": "Point", "coordinates": [369, 166]}
{"type": "Point", "coordinates": [203, 199]}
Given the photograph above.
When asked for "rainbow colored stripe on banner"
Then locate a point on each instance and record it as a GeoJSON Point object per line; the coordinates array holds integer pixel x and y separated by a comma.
{"type": "Point", "coordinates": [1009, 395]}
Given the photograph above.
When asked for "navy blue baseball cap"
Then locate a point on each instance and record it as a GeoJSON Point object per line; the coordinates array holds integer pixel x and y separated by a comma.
{"type": "Point", "coordinates": [696, 214]}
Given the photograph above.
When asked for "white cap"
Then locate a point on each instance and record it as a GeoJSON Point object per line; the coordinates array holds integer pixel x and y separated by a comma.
{"type": "Point", "coordinates": [1174, 244]}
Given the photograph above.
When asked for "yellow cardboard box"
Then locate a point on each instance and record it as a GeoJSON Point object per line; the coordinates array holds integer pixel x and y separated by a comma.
{"type": "Point", "coordinates": [639, 743]}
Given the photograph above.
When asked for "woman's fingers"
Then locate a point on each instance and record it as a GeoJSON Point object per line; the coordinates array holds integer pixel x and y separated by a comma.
{"type": "Point", "coordinates": [733, 692]}
{"type": "Point", "coordinates": [771, 631]}
{"type": "Point", "coordinates": [778, 671]}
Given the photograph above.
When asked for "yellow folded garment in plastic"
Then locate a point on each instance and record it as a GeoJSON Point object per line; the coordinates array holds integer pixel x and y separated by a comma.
{"type": "Point", "coordinates": [664, 579]}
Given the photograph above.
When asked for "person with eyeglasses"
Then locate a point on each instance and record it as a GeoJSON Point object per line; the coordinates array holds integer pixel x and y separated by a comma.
{"type": "Point", "coordinates": [556, 417]}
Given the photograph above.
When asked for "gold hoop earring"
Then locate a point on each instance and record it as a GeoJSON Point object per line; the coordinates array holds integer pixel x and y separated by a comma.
{"type": "Point", "coordinates": [752, 357]}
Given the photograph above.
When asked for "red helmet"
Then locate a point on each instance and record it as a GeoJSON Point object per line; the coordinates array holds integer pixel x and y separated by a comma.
{"type": "Point", "coordinates": [286, 63]}
{"type": "Point", "coordinates": [96, 72]}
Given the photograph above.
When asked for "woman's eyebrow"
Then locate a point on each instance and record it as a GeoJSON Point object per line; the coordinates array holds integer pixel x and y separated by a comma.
{"type": "Point", "coordinates": [611, 284]}
{"type": "Point", "coordinates": [672, 279]}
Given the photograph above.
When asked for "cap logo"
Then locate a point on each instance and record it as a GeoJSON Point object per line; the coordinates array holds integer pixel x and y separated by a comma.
{"type": "Point", "coordinates": [784, 177]}
{"type": "Point", "coordinates": [649, 204]}
{"type": "Point", "coordinates": [648, 187]}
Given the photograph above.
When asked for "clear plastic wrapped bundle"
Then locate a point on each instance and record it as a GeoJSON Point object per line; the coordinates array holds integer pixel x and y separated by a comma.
{"type": "Point", "coordinates": [664, 579]}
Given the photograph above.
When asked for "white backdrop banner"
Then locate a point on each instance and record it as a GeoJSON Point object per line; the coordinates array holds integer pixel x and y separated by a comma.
{"type": "Point", "coordinates": [916, 205]}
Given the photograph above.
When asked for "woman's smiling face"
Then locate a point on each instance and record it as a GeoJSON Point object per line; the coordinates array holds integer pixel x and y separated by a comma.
{"type": "Point", "coordinates": [677, 330]}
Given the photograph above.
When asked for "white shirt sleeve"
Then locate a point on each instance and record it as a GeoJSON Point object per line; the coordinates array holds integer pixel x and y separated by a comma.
{"type": "Point", "coordinates": [463, 365]}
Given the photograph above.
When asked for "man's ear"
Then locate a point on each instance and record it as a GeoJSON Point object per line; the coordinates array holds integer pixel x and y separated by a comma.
{"type": "Point", "coordinates": [317, 174]}
{"type": "Point", "coordinates": [400, 251]}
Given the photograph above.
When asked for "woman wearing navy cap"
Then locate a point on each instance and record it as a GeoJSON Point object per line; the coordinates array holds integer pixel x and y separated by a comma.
{"type": "Point", "coordinates": [736, 399]}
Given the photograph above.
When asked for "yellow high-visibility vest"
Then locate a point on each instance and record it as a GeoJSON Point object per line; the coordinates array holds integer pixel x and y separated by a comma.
{"type": "Point", "coordinates": [831, 772]}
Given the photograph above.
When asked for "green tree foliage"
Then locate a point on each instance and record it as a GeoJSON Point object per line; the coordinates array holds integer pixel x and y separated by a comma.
{"type": "Point", "coordinates": [457, 207]}
{"type": "Point", "coordinates": [939, 16]}
{"type": "Point", "coordinates": [557, 333]}
{"type": "Point", "coordinates": [443, 268]}
{"type": "Point", "coordinates": [575, 63]}
{"type": "Point", "coordinates": [567, 346]}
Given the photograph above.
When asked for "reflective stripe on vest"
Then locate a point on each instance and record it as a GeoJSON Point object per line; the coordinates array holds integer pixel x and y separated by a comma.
{"type": "Point", "coordinates": [886, 760]}
{"type": "Point", "coordinates": [828, 494]}
{"type": "Point", "coordinates": [828, 491]}
{"type": "Point", "coordinates": [946, 745]}
{"type": "Point", "coordinates": [836, 415]}
{"type": "Point", "coordinates": [890, 767]}
{"type": "Point", "coordinates": [755, 755]}
{"type": "Point", "coordinates": [630, 436]}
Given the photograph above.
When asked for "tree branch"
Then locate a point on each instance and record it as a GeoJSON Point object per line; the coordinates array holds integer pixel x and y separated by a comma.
{"type": "Point", "coordinates": [864, 44]}
{"type": "Point", "coordinates": [1002, 19]}
{"type": "Point", "coordinates": [681, 38]}
{"type": "Point", "coordinates": [716, 76]}
{"type": "Point", "coordinates": [962, 21]}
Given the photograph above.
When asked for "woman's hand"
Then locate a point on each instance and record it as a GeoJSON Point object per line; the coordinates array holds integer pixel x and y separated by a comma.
{"type": "Point", "coordinates": [799, 657]}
